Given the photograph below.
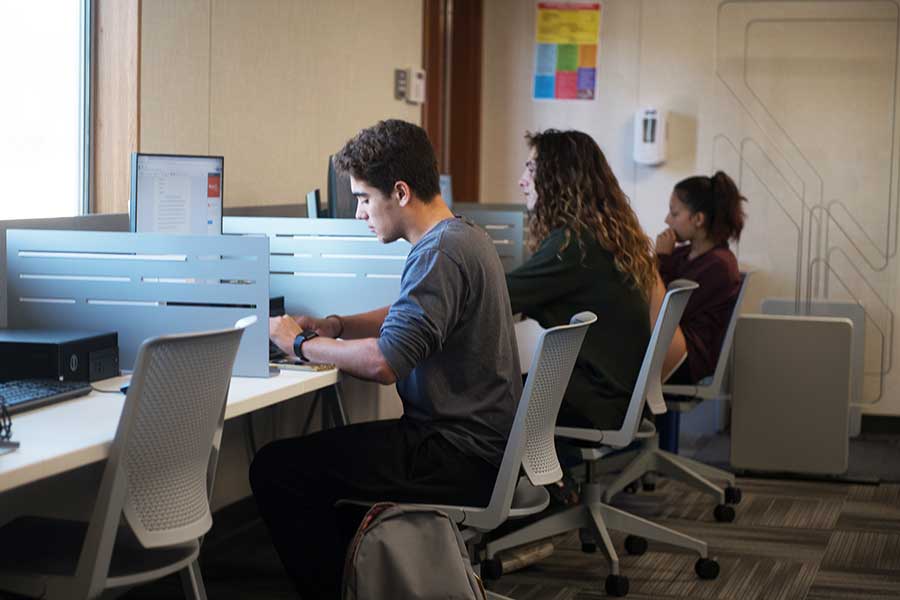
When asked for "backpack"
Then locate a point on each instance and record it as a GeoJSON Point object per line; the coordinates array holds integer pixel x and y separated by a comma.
{"type": "Point", "coordinates": [402, 552]}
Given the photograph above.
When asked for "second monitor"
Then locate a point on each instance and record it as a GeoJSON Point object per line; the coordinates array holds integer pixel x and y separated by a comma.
{"type": "Point", "coordinates": [173, 193]}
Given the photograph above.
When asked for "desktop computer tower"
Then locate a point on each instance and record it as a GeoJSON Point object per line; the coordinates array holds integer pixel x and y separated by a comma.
{"type": "Point", "coordinates": [61, 355]}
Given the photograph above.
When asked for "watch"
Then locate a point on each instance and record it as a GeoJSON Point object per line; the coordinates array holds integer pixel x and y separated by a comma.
{"type": "Point", "coordinates": [306, 334]}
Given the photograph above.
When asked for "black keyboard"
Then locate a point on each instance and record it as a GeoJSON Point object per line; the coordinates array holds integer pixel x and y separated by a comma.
{"type": "Point", "coordinates": [26, 394]}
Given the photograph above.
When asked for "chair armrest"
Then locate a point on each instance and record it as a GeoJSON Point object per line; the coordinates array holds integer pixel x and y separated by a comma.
{"type": "Point", "coordinates": [577, 433]}
{"type": "Point", "coordinates": [680, 390]}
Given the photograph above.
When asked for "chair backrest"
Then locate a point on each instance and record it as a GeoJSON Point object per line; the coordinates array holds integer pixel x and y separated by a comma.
{"type": "Point", "coordinates": [648, 387]}
{"type": "Point", "coordinates": [174, 409]}
{"type": "Point", "coordinates": [531, 440]}
{"type": "Point", "coordinates": [718, 380]}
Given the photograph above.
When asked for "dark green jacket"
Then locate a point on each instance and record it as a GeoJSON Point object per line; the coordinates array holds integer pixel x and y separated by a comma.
{"type": "Point", "coordinates": [551, 287]}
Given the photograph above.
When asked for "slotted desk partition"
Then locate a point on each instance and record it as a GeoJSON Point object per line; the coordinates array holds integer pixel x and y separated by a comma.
{"type": "Point", "coordinates": [141, 285]}
{"type": "Point", "coordinates": [504, 223]}
{"type": "Point", "coordinates": [325, 266]}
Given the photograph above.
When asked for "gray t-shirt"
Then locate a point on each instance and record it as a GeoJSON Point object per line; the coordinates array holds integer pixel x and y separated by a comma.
{"type": "Point", "coordinates": [450, 340]}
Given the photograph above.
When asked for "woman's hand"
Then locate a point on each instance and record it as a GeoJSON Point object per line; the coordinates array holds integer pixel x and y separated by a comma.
{"type": "Point", "coordinates": [665, 241]}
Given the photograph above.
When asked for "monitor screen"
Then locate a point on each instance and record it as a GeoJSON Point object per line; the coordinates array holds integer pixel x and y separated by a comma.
{"type": "Point", "coordinates": [341, 201]}
{"type": "Point", "coordinates": [176, 194]}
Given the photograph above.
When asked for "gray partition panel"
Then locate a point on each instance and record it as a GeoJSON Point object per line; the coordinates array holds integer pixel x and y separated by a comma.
{"type": "Point", "coordinates": [832, 308]}
{"type": "Point", "coordinates": [324, 266]}
{"type": "Point", "coordinates": [791, 392]}
{"type": "Point", "coordinates": [505, 223]}
{"type": "Point", "coordinates": [141, 285]}
{"type": "Point", "coordinates": [106, 222]}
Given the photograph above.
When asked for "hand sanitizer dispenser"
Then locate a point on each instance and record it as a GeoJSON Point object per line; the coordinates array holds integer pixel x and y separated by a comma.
{"type": "Point", "coordinates": [650, 133]}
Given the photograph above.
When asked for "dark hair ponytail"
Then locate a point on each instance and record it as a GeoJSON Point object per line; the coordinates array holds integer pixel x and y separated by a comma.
{"type": "Point", "coordinates": [719, 199]}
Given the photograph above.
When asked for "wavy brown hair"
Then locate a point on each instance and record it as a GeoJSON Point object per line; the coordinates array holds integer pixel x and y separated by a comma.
{"type": "Point", "coordinates": [577, 191]}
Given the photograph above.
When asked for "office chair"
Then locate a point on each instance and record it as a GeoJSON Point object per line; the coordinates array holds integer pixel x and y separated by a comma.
{"type": "Point", "coordinates": [530, 447]}
{"type": "Point", "coordinates": [684, 398]}
{"type": "Point", "coordinates": [593, 516]}
{"type": "Point", "coordinates": [152, 506]}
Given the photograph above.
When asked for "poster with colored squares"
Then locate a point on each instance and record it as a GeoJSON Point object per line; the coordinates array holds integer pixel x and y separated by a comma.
{"type": "Point", "coordinates": [566, 38]}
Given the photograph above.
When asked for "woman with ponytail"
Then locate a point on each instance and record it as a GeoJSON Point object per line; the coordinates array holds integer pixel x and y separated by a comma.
{"type": "Point", "coordinates": [590, 253]}
{"type": "Point", "coordinates": [704, 214]}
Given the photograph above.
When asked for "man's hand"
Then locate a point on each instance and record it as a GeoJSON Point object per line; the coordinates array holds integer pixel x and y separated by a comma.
{"type": "Point", "coordinates": [282, 332]}
{"type": "Point", "coordinates": [327, 327]}
{"type": "Point", "coordinates": [665, 241]}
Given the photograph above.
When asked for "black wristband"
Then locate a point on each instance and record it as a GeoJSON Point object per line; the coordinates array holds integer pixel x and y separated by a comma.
{"type": "Point", "coordinates": [340, 322]}
{"type": "Point", "coordinates": [300, 339]}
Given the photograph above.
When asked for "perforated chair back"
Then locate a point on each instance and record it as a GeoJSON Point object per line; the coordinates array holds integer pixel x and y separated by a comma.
{"type": "Point", "coordinates": [530, 443]}
{"type": "Point", "coordinates": [716, 387]}
{"type": "Point", "coordinates": [725, 352]}
{"type": "Point", "coordinates": [648, 387]}
{"type": "Point", "coordinates": [549, 374]}
{"type": "Point", "coordinates": [173, 413]}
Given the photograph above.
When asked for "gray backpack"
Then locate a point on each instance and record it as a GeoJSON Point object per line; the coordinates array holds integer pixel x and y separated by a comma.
{"type": "Point", "coordinates": [402, 552]}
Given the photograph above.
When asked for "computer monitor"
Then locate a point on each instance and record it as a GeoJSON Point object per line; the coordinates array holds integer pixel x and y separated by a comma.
{"type": "Point", "coordinates": [341, 201]}
{"type": "Point", "coordinates": [312, 205]}
{"type": "Point", "coordinates": [173, 193]}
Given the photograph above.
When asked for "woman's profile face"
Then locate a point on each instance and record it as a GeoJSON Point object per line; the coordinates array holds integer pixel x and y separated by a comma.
{"type": "Point", "coordinates": [681, 220]}
{"type": "Point", "coordinates": [526, 182]}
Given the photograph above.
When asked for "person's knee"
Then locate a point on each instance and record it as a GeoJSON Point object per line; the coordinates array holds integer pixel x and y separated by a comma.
{"type": "Point", "coordinates": [264, 468]}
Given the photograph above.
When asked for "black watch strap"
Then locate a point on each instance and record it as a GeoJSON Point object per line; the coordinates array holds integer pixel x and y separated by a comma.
{"type": "Point", "coordinates": [298, 342]}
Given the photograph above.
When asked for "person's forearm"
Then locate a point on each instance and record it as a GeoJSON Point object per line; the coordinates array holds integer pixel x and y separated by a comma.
{"type": "Point", "coordinates": [360, 358]}
{"type": "Point", "coordinates": [363, 325]}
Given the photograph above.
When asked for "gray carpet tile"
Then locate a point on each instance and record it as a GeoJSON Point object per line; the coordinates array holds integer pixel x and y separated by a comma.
{"type": "Point", "coordinates": [791, 540]}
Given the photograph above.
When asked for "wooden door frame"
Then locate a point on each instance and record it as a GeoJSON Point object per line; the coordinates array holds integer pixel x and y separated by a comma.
{"type": "Point", "coordinates": [452, 55]}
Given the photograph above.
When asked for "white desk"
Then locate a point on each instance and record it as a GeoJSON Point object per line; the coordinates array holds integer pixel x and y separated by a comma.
{"type": "Point", "coordinates": [75, 433]}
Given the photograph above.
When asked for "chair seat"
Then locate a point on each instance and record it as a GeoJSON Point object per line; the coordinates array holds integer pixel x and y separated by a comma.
{"type": "Point", "coordinates": [528, 499]}
{"type": "Point", "coordinates": [45, 546]}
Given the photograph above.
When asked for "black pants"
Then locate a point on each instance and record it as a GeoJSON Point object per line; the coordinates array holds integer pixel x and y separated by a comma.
{"type": "Point", "coordinates": [297, 481]}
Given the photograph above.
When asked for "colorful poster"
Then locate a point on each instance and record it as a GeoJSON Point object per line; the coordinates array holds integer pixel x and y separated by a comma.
{"type": "Point", "coordinates": [566, 37]}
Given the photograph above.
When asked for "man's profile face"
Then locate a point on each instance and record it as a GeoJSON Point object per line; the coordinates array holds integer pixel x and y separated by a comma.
{"type": "Point", "coordinates": [381, 213]}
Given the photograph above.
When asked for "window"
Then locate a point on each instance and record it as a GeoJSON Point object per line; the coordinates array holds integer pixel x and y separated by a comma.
{"type": "Point", "coordinates": [44, 108]}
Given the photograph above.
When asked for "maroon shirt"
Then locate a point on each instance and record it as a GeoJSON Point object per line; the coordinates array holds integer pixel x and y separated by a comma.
{"type": "Point", "coordinates": [708, 311]}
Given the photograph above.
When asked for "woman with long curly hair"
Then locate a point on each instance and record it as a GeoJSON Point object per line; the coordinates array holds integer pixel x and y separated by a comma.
{"type": "Point", "coordinates": [590, 253]}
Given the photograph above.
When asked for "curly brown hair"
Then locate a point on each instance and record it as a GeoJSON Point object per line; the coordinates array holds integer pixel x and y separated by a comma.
{"type": "Point", "coordinates": [577, 191]}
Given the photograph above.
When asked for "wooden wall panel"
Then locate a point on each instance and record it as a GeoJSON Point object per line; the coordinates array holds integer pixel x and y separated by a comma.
{"type": "Point", "coordinates": [115, 97]}
{"type": "Point", "coordinates": [175, 65]}
{"type": "Point", "coordinates": [275, 86]}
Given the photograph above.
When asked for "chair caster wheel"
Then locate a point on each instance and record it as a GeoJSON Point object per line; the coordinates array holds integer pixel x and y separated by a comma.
{"type": "Point", "coordinates": [724, 513]}
{"type": "Point", "coordinates": [733, 495]}
{"type": "Point", "coordinates": [635, 545]}
{"type": "Point", "coordinates": [616, 585]}
{"type": "Point", "coordinates": [492, 569]}
{"type": "Point", "coordinates": [588, 547]}
{"type": "Point", "coordinates": [706, 568]}
{"type": "Point", "coordinates": [632, 487]}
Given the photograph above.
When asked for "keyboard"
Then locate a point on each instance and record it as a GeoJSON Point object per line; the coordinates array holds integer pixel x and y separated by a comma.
{"type": "Point", "coordinates": [25, 394]}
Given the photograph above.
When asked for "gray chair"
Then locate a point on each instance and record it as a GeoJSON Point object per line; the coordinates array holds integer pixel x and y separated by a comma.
{"type": "Point", "coordinates": [593, 516]}
{"type": "Point", "coordinates": [153, 503]}
{"type": "Point", "coordinates": [530, 447]}
{"type": "Point", "coordinates": [684, 398]}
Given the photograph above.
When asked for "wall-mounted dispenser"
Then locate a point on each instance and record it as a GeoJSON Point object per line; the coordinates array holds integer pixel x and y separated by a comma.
{"type": "Point", "coordinates": [650, 133]}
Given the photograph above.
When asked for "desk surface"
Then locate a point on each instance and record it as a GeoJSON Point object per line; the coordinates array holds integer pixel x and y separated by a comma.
{"type": "Point", "coordinates": [78, 432]}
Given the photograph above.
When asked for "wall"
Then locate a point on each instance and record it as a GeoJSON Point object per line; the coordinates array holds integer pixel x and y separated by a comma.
{"type": "Point", "coordinates": [273, 85]}
{"type": "Point", "coordinates": [797, 100]}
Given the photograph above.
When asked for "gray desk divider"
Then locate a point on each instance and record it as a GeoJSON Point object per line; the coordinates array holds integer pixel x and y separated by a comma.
{"type": "Point", "coordinates": [505, 223]}
{"type": "Point", "coordinates": [141, 285]}
{"type": "Point", "coordinates": [106, 222]}
{"type": "Point", "coordinates": [840, 309]}
{"type": "Point", "coordinates": [325, 266]}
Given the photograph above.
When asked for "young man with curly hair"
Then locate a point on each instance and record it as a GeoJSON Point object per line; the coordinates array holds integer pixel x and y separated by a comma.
{"type": "Point", "coordinates": [447, 342]}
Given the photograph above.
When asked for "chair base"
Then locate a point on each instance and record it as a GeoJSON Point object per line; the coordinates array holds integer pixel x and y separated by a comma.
{"type": "Point", "coordinates": [595, 519]}
{"type": "Point", "coordinates": [650, 459]}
